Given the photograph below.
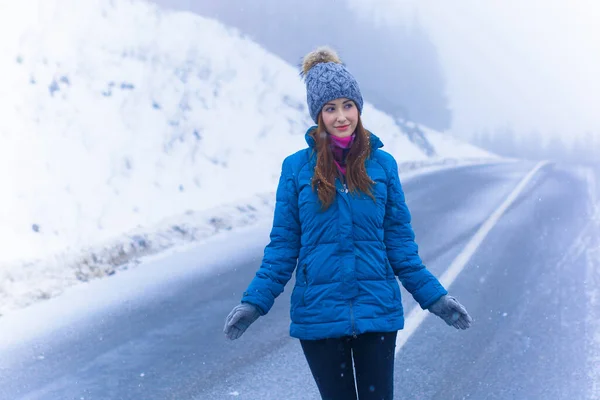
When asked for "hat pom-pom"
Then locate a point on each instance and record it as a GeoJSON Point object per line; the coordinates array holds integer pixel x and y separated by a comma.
{"type": "Point", "coordinates": [320, 55]}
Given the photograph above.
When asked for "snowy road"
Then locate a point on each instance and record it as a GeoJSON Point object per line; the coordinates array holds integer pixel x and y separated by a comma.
{"type": "Point", "coordinates": [533, 288]}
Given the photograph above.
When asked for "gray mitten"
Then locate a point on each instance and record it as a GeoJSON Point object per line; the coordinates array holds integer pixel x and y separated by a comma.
{"type": "Point", "coordinates": [452, 312]}
{"type": "Point", "coordinates": [239, 319]}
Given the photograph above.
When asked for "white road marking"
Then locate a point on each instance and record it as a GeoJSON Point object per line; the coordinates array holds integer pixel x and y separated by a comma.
{"type": "Point", "coordinates": [592, 284]}
{"type": "Point", "coordinates": [416, 317]}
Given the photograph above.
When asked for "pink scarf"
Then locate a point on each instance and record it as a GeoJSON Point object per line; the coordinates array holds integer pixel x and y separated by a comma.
{"type": "Point", "coordinates": [340, 146]}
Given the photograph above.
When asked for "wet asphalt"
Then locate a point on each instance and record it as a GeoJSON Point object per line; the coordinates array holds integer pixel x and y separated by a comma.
{"type": "Point", "coordinates": [527, 288]}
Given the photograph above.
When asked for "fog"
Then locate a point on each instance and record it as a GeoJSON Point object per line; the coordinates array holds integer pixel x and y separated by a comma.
{"type": "Point", "coordinates": [472, 68]}
{"type": "Point", "coordinates": [531, 64]}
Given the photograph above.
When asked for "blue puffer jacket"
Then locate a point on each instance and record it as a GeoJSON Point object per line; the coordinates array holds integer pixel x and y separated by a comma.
{"type": "Point", "coordinates": [347, 257]}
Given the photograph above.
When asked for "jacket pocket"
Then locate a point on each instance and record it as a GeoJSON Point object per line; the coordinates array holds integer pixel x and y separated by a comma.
{"type": "Point", "coordinates": [305, 276]}
{"type": "Point", "coordinates": [393, 284]}
{"type": "Point", "coordinates": [297, 301]}
{"type": "Point", "coordinates": [389, 270]}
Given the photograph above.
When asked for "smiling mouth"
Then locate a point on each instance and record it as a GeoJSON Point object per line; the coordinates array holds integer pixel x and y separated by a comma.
{"type": "Point", "coordinates": [343, 127]}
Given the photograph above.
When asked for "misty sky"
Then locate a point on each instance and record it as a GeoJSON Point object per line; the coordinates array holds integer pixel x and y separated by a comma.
{"type": "Point", "coordinates": [531, 63]}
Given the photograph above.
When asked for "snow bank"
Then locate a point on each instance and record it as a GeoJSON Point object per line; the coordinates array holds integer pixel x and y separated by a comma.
{"type": "Point", "coordinates": [128, 129]}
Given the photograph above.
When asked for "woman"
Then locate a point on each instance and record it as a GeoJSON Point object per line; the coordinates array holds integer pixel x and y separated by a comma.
{"type": "Point", "coordinates": [342, 220]}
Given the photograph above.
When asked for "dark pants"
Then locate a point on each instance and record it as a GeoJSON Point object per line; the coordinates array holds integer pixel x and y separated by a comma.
{"type": "Point", "coordinates": [330, 361]}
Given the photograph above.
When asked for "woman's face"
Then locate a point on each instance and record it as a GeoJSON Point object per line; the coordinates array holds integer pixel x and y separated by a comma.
{"type": "Point", "coordinates": [340, 117]}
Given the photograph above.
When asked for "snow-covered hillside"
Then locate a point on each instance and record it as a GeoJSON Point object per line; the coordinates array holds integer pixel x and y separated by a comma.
{"type": "Point", "coordinates": [127, 128]}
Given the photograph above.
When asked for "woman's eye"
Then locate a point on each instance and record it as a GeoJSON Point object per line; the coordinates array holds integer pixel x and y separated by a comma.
{"type": "Point", "coordinates": [349, 105]}
{"type": "Point", "coordinates": [329, 109]}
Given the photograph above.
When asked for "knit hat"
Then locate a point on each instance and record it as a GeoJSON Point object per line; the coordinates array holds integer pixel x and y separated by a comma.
{"type": "Point", "coordinates": [327, 79]}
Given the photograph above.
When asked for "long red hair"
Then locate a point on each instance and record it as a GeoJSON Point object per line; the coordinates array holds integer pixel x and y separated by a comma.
{"type": "Point", "coordinates": [325, 173]}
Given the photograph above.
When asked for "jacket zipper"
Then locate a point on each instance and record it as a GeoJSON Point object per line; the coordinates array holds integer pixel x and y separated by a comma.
{"type": "Point", "coordinates": [344, 192]}
{"type": "Point", "coordinates": [352, 320]}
